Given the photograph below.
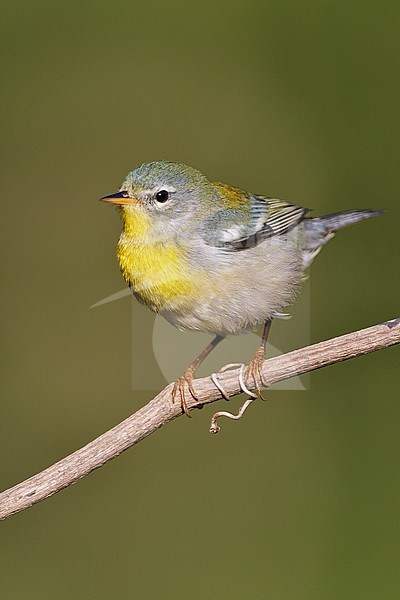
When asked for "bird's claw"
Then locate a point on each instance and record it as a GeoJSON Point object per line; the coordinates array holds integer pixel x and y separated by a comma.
{"type": "Point", "coordinates": [179, 386]}
{"type": "Point", "coordinates": [243, 386]}
{"type": "Point", "coordinates": [253, 372]}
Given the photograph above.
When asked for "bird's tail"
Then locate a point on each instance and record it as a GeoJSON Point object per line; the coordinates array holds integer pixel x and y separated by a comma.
{"type": "Point", "coordinates": [319, 230]}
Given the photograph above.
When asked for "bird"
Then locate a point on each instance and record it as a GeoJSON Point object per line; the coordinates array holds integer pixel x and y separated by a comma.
{"type": "Point", "coordinates": [211, 257]}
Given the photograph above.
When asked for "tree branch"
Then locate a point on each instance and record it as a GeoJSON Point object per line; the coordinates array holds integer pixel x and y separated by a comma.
{"type": "Point", "coordinates": [160, 411]}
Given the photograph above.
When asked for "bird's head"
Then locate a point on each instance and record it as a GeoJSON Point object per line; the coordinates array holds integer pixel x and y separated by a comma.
{"type": "Point", "coordinates": [165, 195]}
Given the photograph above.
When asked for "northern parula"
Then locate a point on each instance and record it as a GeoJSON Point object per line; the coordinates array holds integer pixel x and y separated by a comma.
{"type": "Point", "coordinates": [211, 257]}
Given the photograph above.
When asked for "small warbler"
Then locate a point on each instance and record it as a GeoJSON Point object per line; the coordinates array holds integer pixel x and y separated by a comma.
{"type": "Point", "coordinates": [211, 257]}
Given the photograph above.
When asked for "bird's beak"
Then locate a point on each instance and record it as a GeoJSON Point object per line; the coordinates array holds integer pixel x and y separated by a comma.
{"type": "Point", "coordinates": [121, 198]}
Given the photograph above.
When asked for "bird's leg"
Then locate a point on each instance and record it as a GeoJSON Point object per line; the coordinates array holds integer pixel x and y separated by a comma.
{"type": "Point", "coordinates": [188, 375]}
{"type": "Point", "coordinates": [253, 369]}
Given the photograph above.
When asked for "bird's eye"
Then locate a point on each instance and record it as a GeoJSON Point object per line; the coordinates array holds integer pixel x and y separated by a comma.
{"type": "Point", "coordinates": [162, 196]}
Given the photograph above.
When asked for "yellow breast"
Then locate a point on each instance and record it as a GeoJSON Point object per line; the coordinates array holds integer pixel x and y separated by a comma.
{"type": "Point", "coordinates": [159, 274]}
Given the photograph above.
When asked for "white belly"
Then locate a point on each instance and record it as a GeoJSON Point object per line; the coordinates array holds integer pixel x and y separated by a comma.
{"type": "Point", "coordinates": [244, 287]}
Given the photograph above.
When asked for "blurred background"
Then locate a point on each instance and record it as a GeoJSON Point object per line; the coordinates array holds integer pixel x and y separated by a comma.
{"type": "Point", "coordinates": [299, 100]}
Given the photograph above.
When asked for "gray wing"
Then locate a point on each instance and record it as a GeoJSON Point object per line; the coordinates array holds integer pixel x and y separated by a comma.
{"type": "Point", "coordinates": [238, 229]}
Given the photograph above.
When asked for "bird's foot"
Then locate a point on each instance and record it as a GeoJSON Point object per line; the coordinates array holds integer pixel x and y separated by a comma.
{"type": "Point", "coordinates": [186, 379]}
{"type": "Point", "coordinates": [253, 372]}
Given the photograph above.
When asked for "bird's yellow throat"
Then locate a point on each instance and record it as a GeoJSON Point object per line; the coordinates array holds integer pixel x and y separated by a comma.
{"type": "Point", "coordinates": [158, 272]}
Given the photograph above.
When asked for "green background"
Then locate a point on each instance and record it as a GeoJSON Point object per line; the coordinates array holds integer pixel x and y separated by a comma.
{"type": "Point", "coordinates": [299, 100]}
